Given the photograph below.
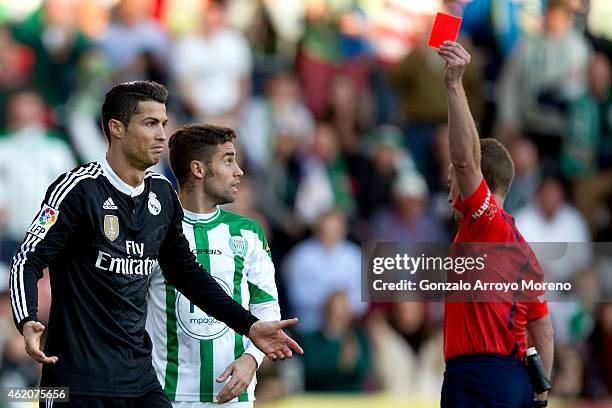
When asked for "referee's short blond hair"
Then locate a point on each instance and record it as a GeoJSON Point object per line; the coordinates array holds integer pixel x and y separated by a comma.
{"type": "Point", "coordinates": [496, 165]}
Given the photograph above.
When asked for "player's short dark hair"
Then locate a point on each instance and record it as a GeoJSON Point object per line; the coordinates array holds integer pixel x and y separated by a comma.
{"type": "Point", "coordinates": [496, 165]}
{"type": "Point", "coordinates": [122, 101]}
{"type": "Point", "coordinates": [195, 142]}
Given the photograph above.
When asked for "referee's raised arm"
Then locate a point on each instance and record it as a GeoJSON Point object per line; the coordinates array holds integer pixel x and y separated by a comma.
{"type": "Point", "coordinates": [463, 136]}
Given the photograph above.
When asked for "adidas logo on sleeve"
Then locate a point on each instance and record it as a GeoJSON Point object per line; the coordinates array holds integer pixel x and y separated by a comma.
{"type": "Point", "coordinates": [109, 204]}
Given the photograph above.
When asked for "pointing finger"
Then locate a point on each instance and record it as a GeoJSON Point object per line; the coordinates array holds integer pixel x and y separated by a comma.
{"type": "Point", "coordinates": [287, 322]}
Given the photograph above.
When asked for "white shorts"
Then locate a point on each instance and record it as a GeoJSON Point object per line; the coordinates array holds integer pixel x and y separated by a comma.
{"type": "Point", "coordinates": [195, 404]}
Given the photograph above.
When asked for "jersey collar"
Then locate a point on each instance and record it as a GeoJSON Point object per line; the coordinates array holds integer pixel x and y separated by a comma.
{"type": "Point", "coordinates": [203, 218]}
{"type": "Point", "coordinates": [119, 184]}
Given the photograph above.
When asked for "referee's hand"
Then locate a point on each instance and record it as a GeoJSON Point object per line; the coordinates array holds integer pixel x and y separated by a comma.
{"type": "Point", "coordinates": [456, 58]}
{"type": "Point", "coordinates": [270, 338]}
{"type": "Point", "coordinates": [32, 332]}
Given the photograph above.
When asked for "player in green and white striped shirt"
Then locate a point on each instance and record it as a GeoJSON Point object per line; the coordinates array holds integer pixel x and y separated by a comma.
{"type": "Point", "coordinates": [198, 359]}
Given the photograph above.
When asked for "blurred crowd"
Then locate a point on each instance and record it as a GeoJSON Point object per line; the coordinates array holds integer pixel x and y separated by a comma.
{"type": "Point", "coordinates": [341, 116]}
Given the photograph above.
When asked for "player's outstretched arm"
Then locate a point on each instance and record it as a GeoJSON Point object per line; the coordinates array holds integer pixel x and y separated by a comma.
{"type": "Point", "coordinates": [463, 136]}
{"type": "Point", "coordinates": [202, 289]}
{"type": "Point", "coordinates": [270, 338]}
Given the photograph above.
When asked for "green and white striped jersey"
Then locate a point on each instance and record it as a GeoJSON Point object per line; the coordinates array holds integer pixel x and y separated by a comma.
{"type": "Point", "coordinates": [190, 348]}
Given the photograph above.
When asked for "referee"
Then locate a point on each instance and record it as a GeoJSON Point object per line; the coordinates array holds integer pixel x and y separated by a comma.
{"type": "Point", "coordinates": [485, 342]}
{"type": "Point", "coordinates": [100, 230]}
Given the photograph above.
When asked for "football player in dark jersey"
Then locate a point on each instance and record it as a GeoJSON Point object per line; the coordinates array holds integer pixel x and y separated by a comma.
{"type": "Point", "coordinates": [100, 229]}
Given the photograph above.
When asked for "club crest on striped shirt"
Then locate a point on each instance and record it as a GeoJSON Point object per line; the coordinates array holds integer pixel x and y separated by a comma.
{"type": "Point", "coordinates": [239, 245]}
{"type": "Point", "coordinates": [111, 227]}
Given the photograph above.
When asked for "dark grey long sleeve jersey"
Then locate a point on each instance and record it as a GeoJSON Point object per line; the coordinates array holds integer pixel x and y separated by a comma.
{"type": "Point", "coordinates": [100, 239]}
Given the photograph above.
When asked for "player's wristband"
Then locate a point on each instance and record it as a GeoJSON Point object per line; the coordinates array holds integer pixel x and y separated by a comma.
{"type": "Point", "coordinates": [540, 403]}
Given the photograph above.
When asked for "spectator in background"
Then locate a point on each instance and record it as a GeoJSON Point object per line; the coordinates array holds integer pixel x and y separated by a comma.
{"type": "Point", "coordinates": [348, 112]}
{"type": "Point", "coordinates": [526, 174]}
{"type": "Point", "coordinates": [277, 185]}
{"type": "Point", "coordinates": [273, 29]}
{"type": "Point", "coordinates": [437, 178]}
{"type": "Point", "coordinates": [134, 43]}
{"type": "Point", "coordinates": [94, 76]}
{"type": "Point", "coordinates": [395, 25]}
{"type": "Point", "coordinates": [551, 218]}
{"type": "Point", "coordinates": [406, 349]}
{"type": "Point", "coordinates": [351, 115]}
{"type": "Point", "coordinates": [16, 60]}
{"type": "Point", "coordinates": [406, 219]}
{"type": "Point", "coordinates": [333, 43]}
{"type": "Point", "coordinates": [587, 151]}
{"type": "Point", "coordinates": [337, 356]}
{"type": "Point", "coordinates": [587, 136]}
{"type": "Point", "coordinates": [436, 172]}
{"type": "Point", "coordinates": [47, 157]}
{"type": "Point", "coordinates": [326, 181]}
{"type": "Point", "coordinates": [494, 27]}
{"type": "Point", "coordinates": [58, 47]}
{"type": "Point", "coordinates": [543, 76]}
{"type": "Point", "coordinates": [597, 355]}
{"type": "Point", "coordinates": [568, 374]}
{"type": "Point", "coordinates": [317, 267]}
{"type": "Point", "coordinates": [16, 64]}
{"type": "Point", "coordinates": [212, 68]}
{"type": "Point", "coordinates": [281, 111]}
{"type": "Point", "coordinates": [93, 16]}
{"type": "Point", "coordinates": [387, 159]}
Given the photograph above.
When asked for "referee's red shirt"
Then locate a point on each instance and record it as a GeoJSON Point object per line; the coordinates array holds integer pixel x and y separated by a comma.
{"type": "Point", "coordinates": [489, 327]}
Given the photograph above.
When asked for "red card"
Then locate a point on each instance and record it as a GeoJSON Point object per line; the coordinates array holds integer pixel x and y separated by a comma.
{"type": "Point", "coordinates": [445, 28]}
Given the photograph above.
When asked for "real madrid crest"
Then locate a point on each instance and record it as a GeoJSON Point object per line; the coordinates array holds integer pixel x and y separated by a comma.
{"type": "Point", "coordinates": [239, 245]}
{"type": "Point", "coordinates": [111, 227]}
{"type": "Point", "coordinates": [154, 204]}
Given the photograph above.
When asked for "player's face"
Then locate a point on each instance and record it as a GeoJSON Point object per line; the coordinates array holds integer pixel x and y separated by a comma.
{"type": "Point", "coordinates": [145, 135]}
{"type": "Point", "coordinates": [221, 182]}
{"type": "Point", "coordinates": [453, 192]}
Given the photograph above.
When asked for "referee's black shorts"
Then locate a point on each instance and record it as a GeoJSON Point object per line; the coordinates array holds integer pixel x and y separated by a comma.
{"type": "Point", "coordinates": [486, 381]}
